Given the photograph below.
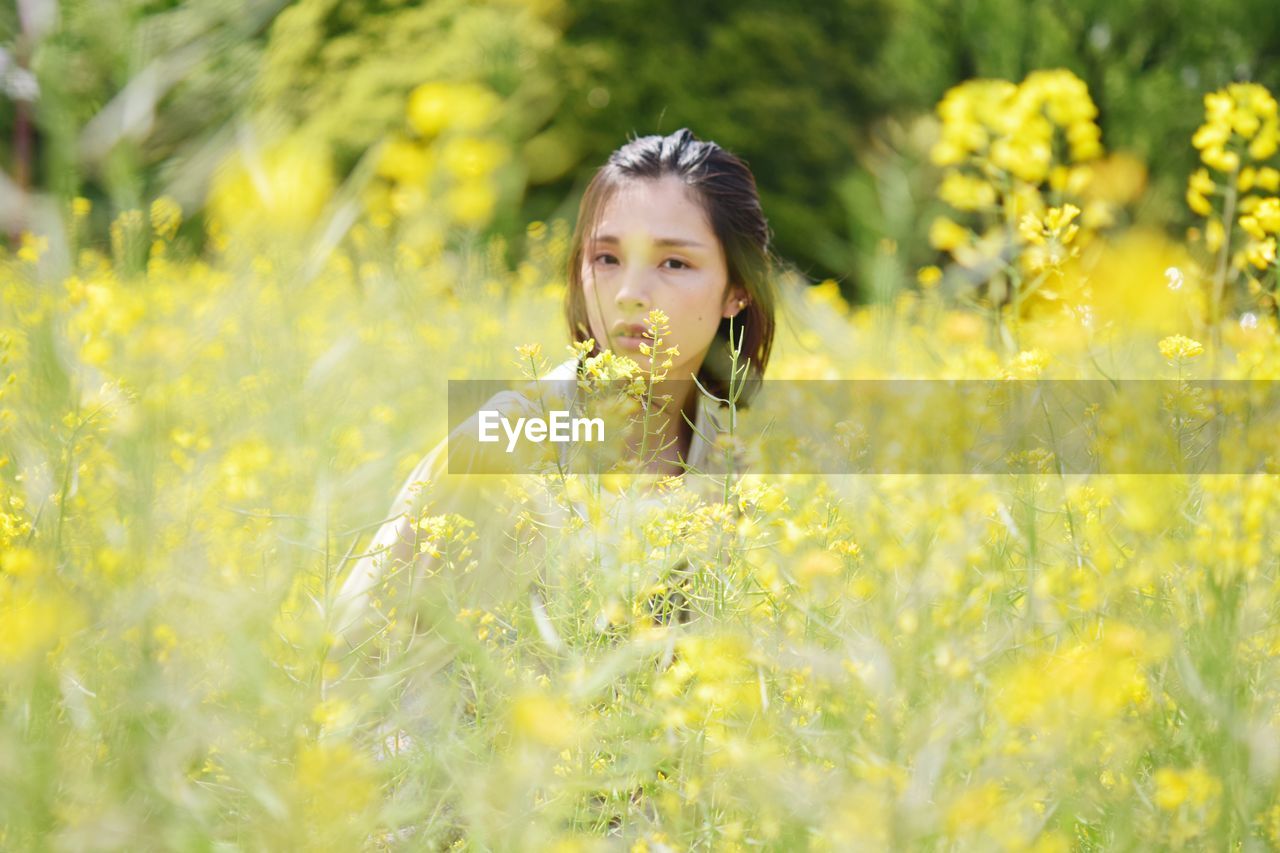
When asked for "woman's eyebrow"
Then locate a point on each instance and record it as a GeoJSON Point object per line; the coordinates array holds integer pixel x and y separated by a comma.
{"type": "Point", "coordinates": [677, 242]}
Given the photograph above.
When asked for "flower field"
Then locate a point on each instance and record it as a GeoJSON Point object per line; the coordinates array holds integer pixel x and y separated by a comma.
{"type": "Point", "coordinates": [197, 443]}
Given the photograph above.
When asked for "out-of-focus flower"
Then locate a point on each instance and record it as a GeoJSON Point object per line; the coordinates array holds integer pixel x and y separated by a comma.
{"type": "Point", "coordinates": [1241, 116]}
{"type": "Point", "coordinates": [472, 157]}
{"type": "Point", "coordinates": [542, 719]}
{"type": "Point", "coordinates": [279, 189]}
{"type": "Point", "coordinates": [435, 106]}
{"type": "Point", "coordinates": [1180, 348]}
{"type": "Point", "coordinates": [472, 203]}
{"type": "Point", "coordinates": [166, 216]}
{"type": "Point", "coordinates": [405, 161]}
{"type": "Point", "coordinates": [947, 235]}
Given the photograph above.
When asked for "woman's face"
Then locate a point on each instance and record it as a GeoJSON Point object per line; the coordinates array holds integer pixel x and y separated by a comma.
{"type": "Point", "coordinates": [654, 248]}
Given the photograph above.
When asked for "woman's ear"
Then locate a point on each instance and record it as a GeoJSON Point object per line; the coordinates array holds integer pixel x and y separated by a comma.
{"type": "Point", "coordinates": [735, 300]}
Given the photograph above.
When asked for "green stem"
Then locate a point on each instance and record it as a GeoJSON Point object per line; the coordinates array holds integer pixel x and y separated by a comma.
{"type": "Point", "coordinates": [1220, 273]}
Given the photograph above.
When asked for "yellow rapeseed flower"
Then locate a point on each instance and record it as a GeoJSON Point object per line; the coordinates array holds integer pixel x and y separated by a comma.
{"type": "Point", "coordinates": [437, 106]}
{"type": "Point", "coordinates": [947, 235]}
{"type": "Point", "coordinates": [472, 202]}
{"type": "Point", "coordinates": [404, 161]}
{"type": "Point", "coordinates": [966, 192]}
{"type": "Point", "coordinates": [1261, 253]}
{"type": "Point", "coordinates": [1241, 115]}
{"type": "Point", "coordinates": [166, 216]}
{"type": "Point", "coordinates": [1180, 348]}
{"type": "Point", "coordinates": [280, 189]}
{"type": "Point", "coordinates": [32, 623]}
{"type": "Point", "coordinates": [1194, 787]}
{"type": "Point", "coordinates": [32, 247]}
{"type": "Point", "coordinates": [542, 719]}
{"type": "Point", "coordinates": [929, 276]}
{"type": "Point", "coordinates": [472, 157]}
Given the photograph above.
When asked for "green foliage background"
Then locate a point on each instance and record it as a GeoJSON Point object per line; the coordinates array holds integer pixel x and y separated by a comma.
{"type": "Point", "coordinates": [815, 97]}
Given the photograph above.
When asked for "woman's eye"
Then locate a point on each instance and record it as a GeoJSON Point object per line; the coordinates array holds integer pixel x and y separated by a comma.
{"type": "Point", "coordinates": [604, 258]}
{"type": "Point", "coordinates": [682, 264]}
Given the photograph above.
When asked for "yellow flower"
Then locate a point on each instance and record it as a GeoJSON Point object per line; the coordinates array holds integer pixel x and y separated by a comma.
{"type": "Point", "coordinates": [1261, 254]}
{"type": "Point", "coordinates": [32, 247]}
{"type": "Point", "coordinates": [1264, 145]}
{"type": "Point", "coordinates": [1245, 112]}
{"type": "Point", "coordinates": [1085, 139]}
{"type": "Point", "coordinates": [1221, 159]}
{"type": "Point", "coordinates": [166, 216]}
{"type": "Point", "coordinates": [1214, 234]}
{"type": "Point", "coordinates": [973, 809]}
{"type": "Point", "coordinates": [472, 157]}
{"type": "Point", "coordinates": [1026, 158]}
{"type": "Point", "coordinates": [1211, 136]}
{"type": "Point", "coordinates": [471, 203]}
{"type": "Point", "coordinates": [966, 192]}
{"type": "Point", "coordinates": [827, 295]}
{"type": "Point", "coordinates": [430, 106]}
{"type": "Point", "coordinates": [817, 565]}
{"type": "Point", "coordinates": [433, 107]}
{"type": "Point", "coordinates": [1180, 348]}
{"type": "Point", "coordinates": [1202, 182]}
{"type": "Point", "coordinates": [1198, 202]}
{"type": "Point", "coordinates": [333, 788]}
{"type": "Point", "coordinates": [282, 188]}
{"type": "Point", "coordinates": [1248, 176]}
{"type": "Point", "coordinates": [22, 563]}
{"type": "Point", "coordinates": [404, 161]}
{"type": "Point", "coordinates": [1267, 215]}
{"type": "Point", "coordinates": [947, 235]}
{"type": "Point", "coordinates": [1031, 229]}
{"type": "Point", "coordinates": [929, 276]}
{"type": "Point", "coordinates": [542, 719]}
{"type": "Point", "coordinates": [32, 623]}
{"type": "Point", "coordinates": [1029, 364]}
{"type": "Point", "coordinates": [1194, 787]}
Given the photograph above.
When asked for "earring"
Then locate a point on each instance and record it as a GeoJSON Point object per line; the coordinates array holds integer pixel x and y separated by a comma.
{"type": "Point", "coordinates": [741, 302]}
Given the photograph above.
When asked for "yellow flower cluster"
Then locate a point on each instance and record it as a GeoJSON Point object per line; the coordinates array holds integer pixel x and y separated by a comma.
{"type": "Point", "coordinates": [901, 661]}
{"type": "Point", "coordinates": [1241, 117]}
{"type": "Point", "coordinates": [1012, 129]}
{"type": "Point", "coordinates": [1193, 797]}
{"type": "Point", "coordinates": [1049, 239]}
{"type": "Point", "coordinates": [446, 170]}
{"type": "Point", "coordinates": [1239, 138]}
{"type": "Point", "coordinates": [1004, 149]}
{"type": "Point", "coordinates": [1180, 348]}
{"type": "Point", "coordinates": [262, 193]}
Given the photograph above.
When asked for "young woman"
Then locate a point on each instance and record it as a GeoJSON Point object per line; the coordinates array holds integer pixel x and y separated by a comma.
{"type": "Point", "coordinates": [675, 224]}
{"type": "Point", "coordinates": [669, 223]}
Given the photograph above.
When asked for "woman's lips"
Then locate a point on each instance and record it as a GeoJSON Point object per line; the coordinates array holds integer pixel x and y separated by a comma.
{"type": "Point", "coordinates": [631, 341]}
{"type": "Point", "coordinates": [632, 336]}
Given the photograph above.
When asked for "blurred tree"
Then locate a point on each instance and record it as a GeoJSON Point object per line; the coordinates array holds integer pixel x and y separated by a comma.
{"type": "Point", "coordinates": [786, 88]}
{"type": "Point", "coordinates": [1148, 66]}
{"type": "Point", "coordinates": [131, 98]}
{"type": "Point", "coordinates": [124, 98]}
{"type": "Point", "coordinates": [343, 73]}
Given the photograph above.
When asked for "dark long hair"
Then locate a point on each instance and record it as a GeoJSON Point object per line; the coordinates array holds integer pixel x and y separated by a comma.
{"type": "Point", "coordinates": [725, 187]}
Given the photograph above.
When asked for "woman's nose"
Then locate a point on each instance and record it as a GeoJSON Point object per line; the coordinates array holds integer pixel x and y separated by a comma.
{"type": "Point", "coordinates": [634, 291]}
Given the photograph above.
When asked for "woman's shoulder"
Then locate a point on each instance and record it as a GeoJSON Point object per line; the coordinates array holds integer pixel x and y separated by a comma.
{"type": "Point", "coordinates": [566, 370]}
{"type": "Point", "coordinates": [469, 452]}
{"type": "Point", "coordinates": [558, 385]}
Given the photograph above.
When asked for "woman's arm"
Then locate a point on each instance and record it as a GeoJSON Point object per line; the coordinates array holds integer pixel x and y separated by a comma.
{"type": "Point", "coordinates": [399, 567]}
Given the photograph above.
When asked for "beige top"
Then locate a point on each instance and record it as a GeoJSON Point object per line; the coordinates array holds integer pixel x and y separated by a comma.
{"type": "Point", "coordinates": [387, 589]}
